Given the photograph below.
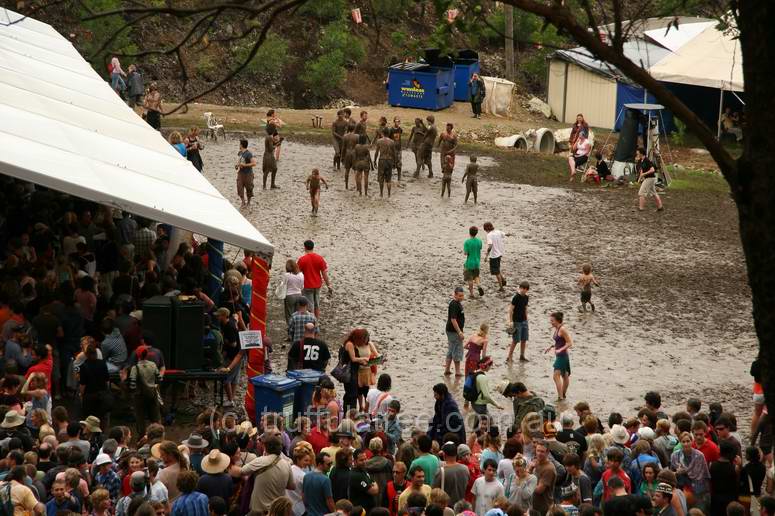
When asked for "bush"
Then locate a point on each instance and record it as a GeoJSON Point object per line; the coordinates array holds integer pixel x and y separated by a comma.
{"type": "Point", "coordinates": [336, 36]}
{"type": "Point", "coordinates": [205, 67]}
{"type": "Point", "coordinates": [325, 10]}
{"type": "Point", "coordinates": [398, 38]}
{"type": "Point", "coordinates": [269, 60]}
{"type": "Point", "coordinates": [325, 74]}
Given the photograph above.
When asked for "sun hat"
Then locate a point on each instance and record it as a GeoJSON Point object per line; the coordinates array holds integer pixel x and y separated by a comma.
{"type": "Point", "coordinates": [155, 450]}
{"type": "Point", "coordinates": [102, 458]}
{"type": "Point", "coordinates": [195, 442]}
{"type": "Point", "coordinates": [246, 427]}
{"type": "Point", "coordinates": [664, 488]}
{"type": "Point", "coordinates": [12, 420]}
{"type": "Point", "coordinates": [92, 424]}
{"type": "Point", "coordinates": [136, 314]}
{"type": "Point", "coordinates": [646, 433]}
{"type": "Point", "coordinates": [619, 434]}
{"type": "Point", "coordinates": [216, 462]}
{"type": "Point", "coordinates": [503, 387]}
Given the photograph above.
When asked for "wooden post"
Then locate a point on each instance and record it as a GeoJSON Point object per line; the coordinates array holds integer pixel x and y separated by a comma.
{"type": "Point", "coordinates": [508, 12]}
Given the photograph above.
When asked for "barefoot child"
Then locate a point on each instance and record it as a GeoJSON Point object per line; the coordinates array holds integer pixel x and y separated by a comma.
{"type": "Point", "coordinates": [472, 185]}
{"type": "Point", "coordinates": [476, 349]}
{"type": "Point", "coordinates": [446, 175]}
{"type": "Point", "coordinates": [585, 281]}
{"type": "Point", "coordinates": [313, 185]}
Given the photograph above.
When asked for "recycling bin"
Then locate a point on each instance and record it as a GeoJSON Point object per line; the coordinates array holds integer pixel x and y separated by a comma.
{"type": "Point", "coordinates": [308, 379]}
{"type": "Point", "coordinates": [466, 65]}
{"type": "Point", "coordinates": [424, 85]}
{"type": "Point", "coordinates": [274, 393]}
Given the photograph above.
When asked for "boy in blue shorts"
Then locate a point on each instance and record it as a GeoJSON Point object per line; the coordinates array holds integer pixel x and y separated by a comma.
{"type": "Point", "coordinates": [518, 321]}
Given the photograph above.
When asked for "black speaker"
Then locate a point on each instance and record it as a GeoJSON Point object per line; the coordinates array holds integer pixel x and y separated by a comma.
{"type": "Point", "coordinates": [189, 324]}
{"type": "Point", "coordinates": [158, 320]}
{"type": "Point", "coordinates": [628, 137]}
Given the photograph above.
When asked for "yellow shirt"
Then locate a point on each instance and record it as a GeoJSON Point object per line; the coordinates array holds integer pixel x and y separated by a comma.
{"type": "Point", "coordinates": [425, 490]}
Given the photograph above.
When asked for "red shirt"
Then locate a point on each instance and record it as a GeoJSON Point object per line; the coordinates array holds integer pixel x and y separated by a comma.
{"type": "Point", "coordinates": [312, 265]}
{"type": "Point", "coordinates": [710, 450]}
{"type": "Point", "coordinates": [318, 440]}
{"type": "Point", "coordinates": [607, 476]}
{"type": "Point", "coordinates": [45, 366]}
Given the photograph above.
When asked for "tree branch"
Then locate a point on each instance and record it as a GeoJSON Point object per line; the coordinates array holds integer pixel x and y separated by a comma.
{"type": "Point", "coordinates": [561, 17]}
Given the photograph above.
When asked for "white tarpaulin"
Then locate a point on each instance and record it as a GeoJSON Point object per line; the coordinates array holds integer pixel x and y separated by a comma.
{"type": "Point", "coordinates": [498, 99]}
{"type": "Point", "coordinates": [711, 59]}
{"type": "Point", "coordinates": [63, 127]}
{"type": "Point", "coordinates": [673, 38]}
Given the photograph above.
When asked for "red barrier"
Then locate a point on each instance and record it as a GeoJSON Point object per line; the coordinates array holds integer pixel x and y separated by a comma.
{"type": "Point", "coordinates": [258, 313]}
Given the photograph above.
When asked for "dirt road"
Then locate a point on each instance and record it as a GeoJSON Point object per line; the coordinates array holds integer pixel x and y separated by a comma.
{"type": "Point", "coordinates": [673, 311]}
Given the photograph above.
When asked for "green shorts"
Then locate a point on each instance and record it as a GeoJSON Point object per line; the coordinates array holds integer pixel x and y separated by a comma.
{"type": "Point", "coordinates": [470, 274]}
{"type": "Point", "coordinates": [562, 364]}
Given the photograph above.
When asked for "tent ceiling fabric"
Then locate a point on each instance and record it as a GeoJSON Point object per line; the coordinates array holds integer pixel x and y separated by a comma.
{"type": "Point", "coordinates": [711, 59]}
{"type": "Point", "coordinates": [673, 38]}
{"type": "Point", "coordinates": [64, 128]}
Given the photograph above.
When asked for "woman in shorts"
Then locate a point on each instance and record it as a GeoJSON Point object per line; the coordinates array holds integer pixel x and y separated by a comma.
{"type": "Point", "coordinates": [562, 343]}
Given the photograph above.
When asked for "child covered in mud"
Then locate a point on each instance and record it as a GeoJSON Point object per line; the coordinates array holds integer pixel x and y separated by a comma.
{"type": "Point", "coordinates": [585, 281]}
{"type": "Point", "coordinates": [446, 175]}
{"type": "Point", "coordinates": [313, 186]}
{"type": "Point", "coordinates": [472, 184]}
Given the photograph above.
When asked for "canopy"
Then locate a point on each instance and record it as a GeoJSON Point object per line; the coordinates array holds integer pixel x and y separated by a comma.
{"type": "Point", "coordinates": [639, 51]}
{"type": "Point", "coordinates": [674, 37]}
{"type": "Point", "coordinates": [63, 127]}
{"type": "Point", "coordinates": [711, 59]}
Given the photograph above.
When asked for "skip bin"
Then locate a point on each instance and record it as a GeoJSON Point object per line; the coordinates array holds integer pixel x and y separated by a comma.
{"type": "Point", "coordinates": [466, 65]}
{"type": "Point", "coordinates": [274, 393]}
{"type": "Point", "coordinates": [303, 398]}
{"type": "Point", "coordinates": [422, 85]}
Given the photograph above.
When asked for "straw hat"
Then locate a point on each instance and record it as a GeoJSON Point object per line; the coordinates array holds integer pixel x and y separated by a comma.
{"type": "Point", "coordinates": [216, 462]}
{"type": "Point", "coordinates": [92, 424]}
{"type": "Point", "coordinates": [12, 420]}
{"type": "Point", "coordinates": [619, 434]}
{"type": "Point", "coordinates": [246, 427]}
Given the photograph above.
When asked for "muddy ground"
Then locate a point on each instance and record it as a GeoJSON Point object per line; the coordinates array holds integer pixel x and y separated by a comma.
{"type": "Point", "coordinates": [673, 311]}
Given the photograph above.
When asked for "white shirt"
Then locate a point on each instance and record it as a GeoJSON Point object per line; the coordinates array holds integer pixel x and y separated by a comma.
{"type": "Point", "coordinates": [159, 492]}
{"type": "Point", "coordinates": [486, 493]}
{"type": "Point", "coordinates": [373, 396]}
{"type": "Point", "coordinates": [495, 239]}
{"type": "Point", "coordinates": [295, 496]}
{"type": "Point", "coordinates": [294, 283]}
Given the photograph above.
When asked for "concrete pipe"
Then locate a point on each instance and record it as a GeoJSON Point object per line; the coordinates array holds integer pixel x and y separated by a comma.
{"type": "Point", "coordinates": [544, 141]}
{"type": "Point", "coordinates": [520, 143]}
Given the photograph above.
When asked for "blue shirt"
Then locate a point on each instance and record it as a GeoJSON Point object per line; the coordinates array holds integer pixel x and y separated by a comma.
{"type": "Point", "coordinates": [111, 482]}
{"type": "Point", "coordinates": [68, 504]}
{"type": "Point", "coordinates": [316, 490]}
{"type": "Point", "coordinates": [180, 148]}
{"type": "Point", "coordinates": [191, 504]}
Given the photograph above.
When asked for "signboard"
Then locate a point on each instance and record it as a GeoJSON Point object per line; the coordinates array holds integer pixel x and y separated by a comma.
{"type": "Point", "coordinates": [251, 339]}
{"type": "Point", "coordinates": [412, 89]}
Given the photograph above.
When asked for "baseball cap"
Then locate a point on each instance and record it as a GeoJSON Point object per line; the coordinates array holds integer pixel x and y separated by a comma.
{"type": "Point", "coordinates": [102, 458]}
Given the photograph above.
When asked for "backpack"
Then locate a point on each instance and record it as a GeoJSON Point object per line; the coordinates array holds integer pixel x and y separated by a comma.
{"type": "Point", "coordinates": [6, 505]}
{"type": "Point", "coordinates": [470, 392]}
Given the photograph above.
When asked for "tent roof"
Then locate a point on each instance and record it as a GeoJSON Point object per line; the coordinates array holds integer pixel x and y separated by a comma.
{"type": "Point", "coordinates": [673, 38]}
{"type": "Point", "coordinates": [711, 59]}
{"type": "Point", "coordinates": [64, 128]}
{"type": "Point", "coordinates": [638, 50]}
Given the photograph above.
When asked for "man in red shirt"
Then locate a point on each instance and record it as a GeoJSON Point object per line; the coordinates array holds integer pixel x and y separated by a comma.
{"type": "Point", "coordinates": [319, 435]}
{"type": "Point", "coordinates": [702, 443]}
{"type": "Point", "coordinates": [314, 268]}
{"type": "Point", "coordinates": [42, 363]}
{"type": "Point", "coordinates": [615, 456]}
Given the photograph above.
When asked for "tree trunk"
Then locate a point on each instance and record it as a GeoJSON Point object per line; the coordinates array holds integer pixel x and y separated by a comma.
{"type": "Point", "coordinates": [754, 192]}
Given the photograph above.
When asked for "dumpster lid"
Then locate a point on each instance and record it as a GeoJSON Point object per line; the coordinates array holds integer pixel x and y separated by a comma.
{"type": "Point", "coordinates": [412, 67]}
{"type": "Point", "coordinates": [467, 53]}
{"type": "Point", "coordinates": [306, 375]}
{"type": "Point", "coordinates": [274, 381]}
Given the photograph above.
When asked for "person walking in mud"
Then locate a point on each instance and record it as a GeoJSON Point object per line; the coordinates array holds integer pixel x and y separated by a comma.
{"type": "Point", "coordinates": [446, 176]}
{"type": "Point", "coordinates": [385, 158]}
{"type": "Point", "coordinates": [244, 168]}
{"type": "Point", "coordinates": [363, 165]}
{"type": "Point", "coordinates": [472, 248]}
{"type": "Point", "coordinates": [269, 165]}
{"type": "Point", "coordinates": [395, 135]}
{"type": "Point", "coordinates": [470, 179]}
{"type": "Point", "coordinates": [428, 142]}
{"type": "Point", "coordinates": [562, 344]}
{"type": "Point", "coordinates": [416, 138]}
{"type": "Point", "coordinates": [447, 144]}
{"type": "Point", "coordinates": [313, 187]}
{"type": "Point", "coordinates": [349, 141]}
{"type": "Point", "coordinates": [456, 321]}
{"type": "Point", "coordinates": [362, 127]}
{"type": "Point", "coordinates": [338, 129]}
{"type": "Point", "coordinates": [585, 282]}
{"type": "Point", "coordinates": [383, 125]}
{"type": "Point", "coordinates": [495, 248]}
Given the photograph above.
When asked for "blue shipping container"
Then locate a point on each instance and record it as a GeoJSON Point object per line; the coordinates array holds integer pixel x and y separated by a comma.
{"type": "Point", "coordinates": [309, 379]}
{"type": "Point", "coordinates": [419, 85]}
{"type": "Point", "coordinates": [464, 69]}
{"type": "Point", "coordinates": [274, 393]}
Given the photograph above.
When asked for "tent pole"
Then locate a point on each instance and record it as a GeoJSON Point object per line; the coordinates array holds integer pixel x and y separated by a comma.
{"type": "Point", "coordinates": [720, 110]}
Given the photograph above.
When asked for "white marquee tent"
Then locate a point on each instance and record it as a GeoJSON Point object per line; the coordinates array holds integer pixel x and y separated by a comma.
{"type": "Point", "coordinates": [63, 127]}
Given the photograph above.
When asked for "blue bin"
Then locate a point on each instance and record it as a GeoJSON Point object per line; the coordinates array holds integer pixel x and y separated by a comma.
{"type": "Point", "coordinates": [466, 65]}
{"type": "Point", "coordinates": [421, 85]}
{"type": "Point", "coordinates": [309, 379]}
{"type": "Point", "coordinates": [274, 393]}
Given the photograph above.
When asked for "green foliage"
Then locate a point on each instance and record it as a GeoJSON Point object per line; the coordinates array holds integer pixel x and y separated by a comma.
{"type": "Point", "coordinates": [398, 38]}
{"type": "Point", "coordinates": [101, 30]}
{"type": "Point", "coordinates": [325, 10]}
{"type": "Point", "coordinates": [336, 36]}
{"type": "Point", "coordinates": [393, 10]}
{"type": "Point", "coordinates": [678, 138]}
{"type": "Point", "coordinates": [269, 60]}
{"type": "Point", "coordinates": [338, 49]}
{"type": "Point", "coordinates": [206, 67]}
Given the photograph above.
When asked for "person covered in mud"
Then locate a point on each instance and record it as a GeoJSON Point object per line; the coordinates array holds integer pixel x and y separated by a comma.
{"type": "Point", "coordinates": [362, 127]}
{"type": "Point", "coordinates": [470, 179]}
{"type": "Point", "coordinates": [313, 187]}
{"type": "Point", "coordinates": [349, 141]}
{"type": "Point", "coordinates": [272, 140]}
{"type": "Point", "coordinates": [585, 281]}
{"type": "Point", "coordinates": [385, 158]}
{"type": "Point", "coordinates": [362, 165]}
{"type": "Point", "coordinates": [447, 144]}
{"type": "Point", "coordinates": [416, 137]}
{"type": "Point", "coordinates": [244, 168]}
{"type": "Point", "coordinates": [338, 130]}
{"type": "Point", "coordinates": [273, 119]}
{"type": "Point", "coordinates": [427, 145]}
{"type": "Point", "coordinates": [380, 129]}
{"type": "Point", "coordinates": [395, 135]}
{"type": "Point", "coordinates": [446, 175]}
{"type": "Point", "coordinates": [348, 114]}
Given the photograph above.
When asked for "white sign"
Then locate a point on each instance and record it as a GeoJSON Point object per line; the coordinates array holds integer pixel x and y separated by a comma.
{"type": "Point", "coordinates": [251, 339]}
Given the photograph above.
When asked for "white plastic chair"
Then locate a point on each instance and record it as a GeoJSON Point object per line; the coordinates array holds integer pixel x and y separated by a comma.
{"type": "Point", "coordinates": [213, 126]}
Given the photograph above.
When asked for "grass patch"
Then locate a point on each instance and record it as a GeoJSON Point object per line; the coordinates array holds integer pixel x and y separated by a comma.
{"type": "Point", "coordinates": [698, 181]}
